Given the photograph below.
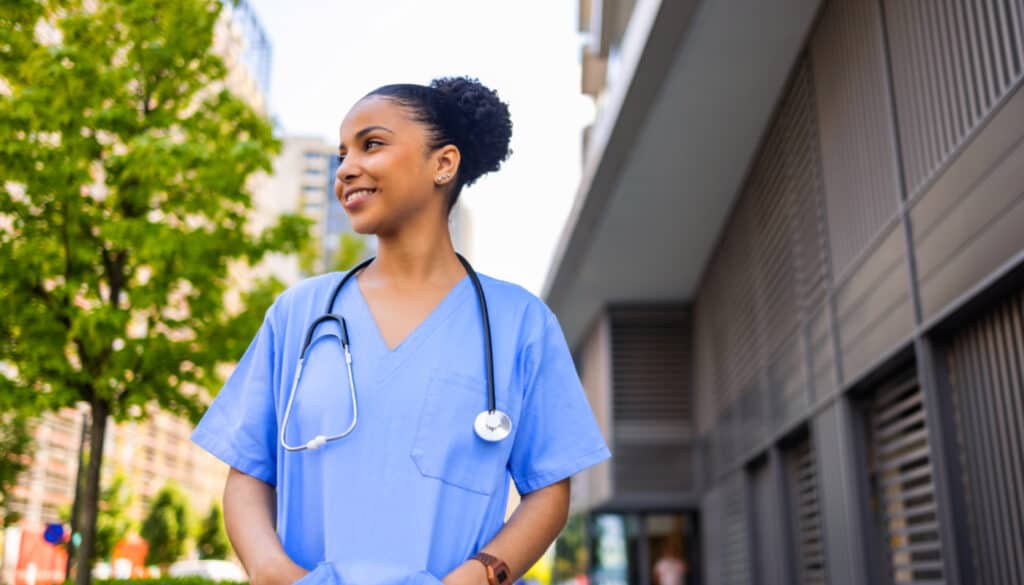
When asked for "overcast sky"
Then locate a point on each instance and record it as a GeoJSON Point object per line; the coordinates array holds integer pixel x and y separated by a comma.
{"type": "Point", "coordinates": [327, 54]}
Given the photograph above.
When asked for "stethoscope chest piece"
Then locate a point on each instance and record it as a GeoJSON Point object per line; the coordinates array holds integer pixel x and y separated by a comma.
{"type": "Point", "coordinates": [492, 426]}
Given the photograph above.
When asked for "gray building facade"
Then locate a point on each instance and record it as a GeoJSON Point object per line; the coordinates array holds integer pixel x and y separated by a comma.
{"type": "Point", "coordinates": [794, 282]}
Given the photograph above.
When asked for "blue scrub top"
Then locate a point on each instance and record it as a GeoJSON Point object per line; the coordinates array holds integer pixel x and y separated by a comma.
{"type": "Point", "coordinates": [412, 490]}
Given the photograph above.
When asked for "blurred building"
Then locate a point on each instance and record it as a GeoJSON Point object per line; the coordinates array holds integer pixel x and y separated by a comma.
{"type": "Point", "coordinates": [793, 278]}
{"type": "Point", "coordinates": [154, 452]}
{"type": "Point", "coordinates": [304, 180]}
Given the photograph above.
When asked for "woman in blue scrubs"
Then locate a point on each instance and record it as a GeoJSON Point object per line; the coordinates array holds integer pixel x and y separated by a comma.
{"type": "Point", "coordinates": [412, 493]}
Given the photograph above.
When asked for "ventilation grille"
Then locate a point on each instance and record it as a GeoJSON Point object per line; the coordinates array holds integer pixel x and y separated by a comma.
{"type": "Point", "coordinates": [987, 363]}
{"type": "Point", "coordinates": [952, 62]}
{"type": "Point", "coordinates": [651, 366]}
{"type": "Point", "coordinates": [805, 510]}
{"type": "Point", "coordinates": [902, 487]}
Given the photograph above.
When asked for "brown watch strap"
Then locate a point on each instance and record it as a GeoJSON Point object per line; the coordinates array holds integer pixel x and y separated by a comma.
{"type": "Point", "coordinates": [497, 571]}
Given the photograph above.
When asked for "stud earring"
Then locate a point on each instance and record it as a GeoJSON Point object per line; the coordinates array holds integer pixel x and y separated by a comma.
{"type": "Point", "coordinates": [443, 179]}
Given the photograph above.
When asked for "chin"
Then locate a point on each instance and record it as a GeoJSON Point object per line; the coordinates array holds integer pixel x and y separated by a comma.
{"type": "Point", "coordinates": [364, 224]}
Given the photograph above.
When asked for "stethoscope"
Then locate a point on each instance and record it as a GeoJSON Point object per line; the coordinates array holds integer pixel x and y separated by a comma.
{"type": "Point", "coordinates": [490, 425]}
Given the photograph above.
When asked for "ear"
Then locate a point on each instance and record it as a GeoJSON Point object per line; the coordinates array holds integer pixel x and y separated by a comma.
{"type": "Point", "coordinates": [446, 164]}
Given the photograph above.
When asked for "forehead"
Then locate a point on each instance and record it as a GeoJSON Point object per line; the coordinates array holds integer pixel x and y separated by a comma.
{"type": "Point", "coordinates": [378, 111]}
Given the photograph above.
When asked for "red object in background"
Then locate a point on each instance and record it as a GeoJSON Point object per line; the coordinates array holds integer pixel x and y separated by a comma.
{"type": "Point", "coordinates": [39, 562]}
{"type": "Point", "coordinates": [134, 549]}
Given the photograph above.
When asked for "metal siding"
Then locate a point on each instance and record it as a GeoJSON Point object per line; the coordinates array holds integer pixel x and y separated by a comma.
{"type": "Point", "coordinates": [735, 549]}
{"type": "Point", "coordinates": [712, 527]}
{"type": "Point", "coordinates": [902, 484]}
{"type": "Point", "coordinates": [987, 371]}
{"type": "Point", "coordinates": [805, 513]}
{"type": "Point", "coordinates": [952, 63]}
{"type": "Point", "coordinates": [753, 428]}
{"type": "Point", "coordinates": [653, 469]}
{"type": "Point", "coordinates": [838, 454]}
{"type": "Point", "coordinates": [823, 361]}
{"type": "Point", "coordinates": [705, 367]}
{"type": "Point", "coordinates": [766, 526]}
{"type": "Point", "coordinates": [858, 152]}
{"type": "Point", "coordinates": [873, 306]}
{"type": "Point", "coordinates": [787, 382]}
{"type": "Point", "coordinates": [967, 224]}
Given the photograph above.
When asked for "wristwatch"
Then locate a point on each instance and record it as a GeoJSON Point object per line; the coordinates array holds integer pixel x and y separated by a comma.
{"type": "Point", "coordinates": [497, 570]}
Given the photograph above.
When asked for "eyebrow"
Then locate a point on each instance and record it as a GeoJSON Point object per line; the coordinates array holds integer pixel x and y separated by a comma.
{"type": "Point", "coordinates": [364, 132]}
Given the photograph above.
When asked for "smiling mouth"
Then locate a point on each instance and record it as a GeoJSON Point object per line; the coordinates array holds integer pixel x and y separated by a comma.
{"type": "Point", "coordinates": [359, 195]}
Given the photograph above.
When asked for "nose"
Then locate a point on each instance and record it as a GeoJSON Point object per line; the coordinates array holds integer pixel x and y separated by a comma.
{"type": "Point", "coordinates": [347, 170]}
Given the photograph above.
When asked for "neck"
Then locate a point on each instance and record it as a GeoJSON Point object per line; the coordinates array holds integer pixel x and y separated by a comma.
{"type": "Point", "coordinates": [418, 254]}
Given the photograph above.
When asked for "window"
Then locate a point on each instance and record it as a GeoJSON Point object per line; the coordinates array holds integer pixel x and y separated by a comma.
{"type": "Point", "coordinates": [902, 489]}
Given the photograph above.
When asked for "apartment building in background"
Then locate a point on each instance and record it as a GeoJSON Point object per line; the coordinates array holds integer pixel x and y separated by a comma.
{"type": "Point", "coordinates": [793, 278]}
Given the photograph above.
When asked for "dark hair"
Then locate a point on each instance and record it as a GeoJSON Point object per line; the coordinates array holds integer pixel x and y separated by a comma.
{"type": "Point", "coordinates": [463, 112]}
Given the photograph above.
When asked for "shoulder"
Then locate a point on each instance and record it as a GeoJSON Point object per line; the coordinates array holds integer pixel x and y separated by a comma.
{"type": "Point", "coordinates": [524, 317]}
{"type": "Point", "coordinates": [304, 292]}
{"type": "Point", "coordinates": [511, 297]}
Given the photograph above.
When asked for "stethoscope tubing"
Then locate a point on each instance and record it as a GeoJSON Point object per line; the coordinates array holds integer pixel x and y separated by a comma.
{"type": "Point", "coordinates": [320, 440]}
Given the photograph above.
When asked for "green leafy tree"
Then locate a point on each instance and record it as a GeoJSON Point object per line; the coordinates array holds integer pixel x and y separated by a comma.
{"type": "Point", "coordinates": [15, 451]}
{"type": "Point", "coordinates": [212, 541]}
{"type": "Point", "coordinates": [123, 205]}
{"type": "Point", "coordinates": [351, 249]}
{"type": "Point", "coordinates": [113, 522]}
{"type": "Point", "coordinates": [166, 526]}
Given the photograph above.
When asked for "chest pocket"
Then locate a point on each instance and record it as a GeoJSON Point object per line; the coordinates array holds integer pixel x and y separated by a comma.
{"type": "Point", "coordinates": [447, 446]}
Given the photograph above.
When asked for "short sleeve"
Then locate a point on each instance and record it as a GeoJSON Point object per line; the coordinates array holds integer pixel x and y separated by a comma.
{"type": "Point", "coordinates": [558, 435]}
{"type": "Point", "coordinates": [240, 426]}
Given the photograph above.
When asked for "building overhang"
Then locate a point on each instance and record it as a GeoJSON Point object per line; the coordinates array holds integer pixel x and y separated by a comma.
{"type": "Point", "coordinates": [668, 155]}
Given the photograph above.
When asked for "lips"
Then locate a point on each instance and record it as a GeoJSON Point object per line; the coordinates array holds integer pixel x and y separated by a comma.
{"type": "Point", "coordinates": [355, 197]}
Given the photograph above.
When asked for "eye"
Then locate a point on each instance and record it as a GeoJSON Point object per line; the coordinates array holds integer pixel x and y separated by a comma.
{"type": "Point", "coordinates": [373, 142]}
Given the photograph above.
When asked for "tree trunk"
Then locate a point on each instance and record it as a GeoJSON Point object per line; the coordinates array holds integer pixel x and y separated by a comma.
{"type": "Point", "coordinates": [90, 503]}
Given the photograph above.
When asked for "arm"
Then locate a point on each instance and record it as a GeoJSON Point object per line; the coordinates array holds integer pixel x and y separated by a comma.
{"type": "Point", "coordinates": [249, 517]}
{"type": "Point", "coordinates": [534, 525]}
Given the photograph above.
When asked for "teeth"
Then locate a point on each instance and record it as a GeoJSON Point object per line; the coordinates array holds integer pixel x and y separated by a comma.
{"type": "Point", "coordinates": [360, 191]}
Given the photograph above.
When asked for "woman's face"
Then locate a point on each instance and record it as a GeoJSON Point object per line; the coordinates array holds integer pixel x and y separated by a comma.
{"type": "Point", "coordinates": [386, 179]}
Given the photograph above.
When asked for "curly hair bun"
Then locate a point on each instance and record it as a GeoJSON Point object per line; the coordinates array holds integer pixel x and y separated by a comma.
{"type": "Point", "coordinates": [487, 126]}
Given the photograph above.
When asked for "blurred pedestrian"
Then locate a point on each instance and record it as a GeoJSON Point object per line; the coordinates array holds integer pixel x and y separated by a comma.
{"type": "Point", "coordinates": [670, 568]}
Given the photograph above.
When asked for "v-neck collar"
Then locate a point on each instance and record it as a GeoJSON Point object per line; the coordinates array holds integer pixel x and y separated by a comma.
{"type": "Point", "coordinates": [392, 358]}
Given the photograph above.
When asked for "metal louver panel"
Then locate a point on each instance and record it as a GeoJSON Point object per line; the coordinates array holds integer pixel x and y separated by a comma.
{"type": "Point", "coordinates": [770, 266]}
{"type": "Point", "coordinates": [651, 366]}
{"type": "Point", "coordinates": [902, 486]}
{"type": "Point", "coordinates": [855, 121]}
{"type": "Point", "coordinates": [952, 63]}
{"type": "Point", "coordinates": [651, 386]}
{"type": "Point", "coordinates": [801, 123]}
{"type": "Point", "coordinates": [775, 266]}
{"type": "Point", "coordinates": [987, 367]}
{"type": "Point", "coordinates": [805, 514]}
